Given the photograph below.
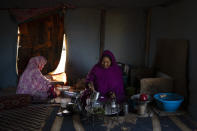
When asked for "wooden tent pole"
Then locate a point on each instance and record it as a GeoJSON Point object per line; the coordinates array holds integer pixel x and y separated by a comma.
{"type": "Point", "coordinates": [102, 31]}
{"type": "Point", "coordinates": [148, 33]}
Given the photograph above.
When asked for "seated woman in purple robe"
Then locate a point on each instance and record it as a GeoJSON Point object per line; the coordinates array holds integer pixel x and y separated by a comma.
{"type": "Point", "coordinates": [106, 77]}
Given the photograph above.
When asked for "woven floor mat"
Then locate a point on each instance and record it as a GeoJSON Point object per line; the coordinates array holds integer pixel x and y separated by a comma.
{"type": "Point", "coordinates": [26, 118]}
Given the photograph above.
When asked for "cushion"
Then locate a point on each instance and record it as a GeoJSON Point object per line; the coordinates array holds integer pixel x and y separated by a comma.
{"type": "Point", "coordinates": [13, 101]}
{"type": "Point", "coordinates": [152, 86]}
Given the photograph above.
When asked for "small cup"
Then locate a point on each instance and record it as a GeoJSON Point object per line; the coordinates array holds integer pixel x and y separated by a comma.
{"type": "Point", "coordinates": [88, 100]}
{"type": "Point", "coordinates": [64, 102]}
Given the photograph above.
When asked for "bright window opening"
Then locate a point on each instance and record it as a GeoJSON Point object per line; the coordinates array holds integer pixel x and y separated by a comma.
{"type": "Point", "coordinates": [61, 66]}
{"type": "Point", "coordinates": [59, 73]}
{"type": "Point", "coordinates": [18, 39]}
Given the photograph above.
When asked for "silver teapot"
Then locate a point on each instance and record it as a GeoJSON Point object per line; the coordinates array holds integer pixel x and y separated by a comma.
{"type": "Point", "coordinates": [113, 103]}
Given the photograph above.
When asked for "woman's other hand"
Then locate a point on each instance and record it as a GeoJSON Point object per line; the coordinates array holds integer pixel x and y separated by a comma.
{"type": "Point", "coordinates": [112, 95]}
{"type": "Point", "coordinates": [57, 91]}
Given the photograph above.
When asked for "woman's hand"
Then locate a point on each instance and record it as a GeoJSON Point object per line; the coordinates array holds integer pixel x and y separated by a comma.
{"type": "Point", "coordinates": [112, 95]}
{"type": "Point", "coordinates": [49, 77]}
{"type": "Point", "coordinates": [91, 86]}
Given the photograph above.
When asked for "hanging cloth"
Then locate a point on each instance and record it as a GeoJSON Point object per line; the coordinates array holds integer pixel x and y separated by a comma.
{"type": "Point", "coordinates": [44, 37]}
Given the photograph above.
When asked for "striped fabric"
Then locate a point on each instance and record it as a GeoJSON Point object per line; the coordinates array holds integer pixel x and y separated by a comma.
{"type": "Point", "coordinates": [43, 117]}
{"type": "Point", "coordinates": [27, 118]}
{"type": "Point", "coordinates": [154, 123]}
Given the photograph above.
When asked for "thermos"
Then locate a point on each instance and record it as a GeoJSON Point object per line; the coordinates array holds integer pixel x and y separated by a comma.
{"type": "Point", "coordinates": [126, 109]}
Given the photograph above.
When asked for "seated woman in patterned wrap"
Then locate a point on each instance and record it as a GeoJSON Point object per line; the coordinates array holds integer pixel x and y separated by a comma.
{"type": "Point", "coordinates": [32, 81]}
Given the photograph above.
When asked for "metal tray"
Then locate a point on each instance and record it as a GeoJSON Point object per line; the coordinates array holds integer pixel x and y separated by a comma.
{"type": "Point", "coordinates": [71, 94]}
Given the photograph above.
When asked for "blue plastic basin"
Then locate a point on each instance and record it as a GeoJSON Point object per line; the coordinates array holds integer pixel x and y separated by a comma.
{"type": "Point", "coordinates": [169, 102]}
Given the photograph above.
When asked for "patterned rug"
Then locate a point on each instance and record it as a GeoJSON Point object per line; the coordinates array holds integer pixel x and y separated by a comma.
{"type": "Point", "coordinates": [43, 117]}
{"type": "Point", "coordinates": [31, 117]}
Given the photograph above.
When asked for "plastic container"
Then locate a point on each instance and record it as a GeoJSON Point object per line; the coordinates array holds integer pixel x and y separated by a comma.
{"type": "Point", "coordinates": [141, 108]}
{"type": "Point", "coordinates": [169, 102]}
